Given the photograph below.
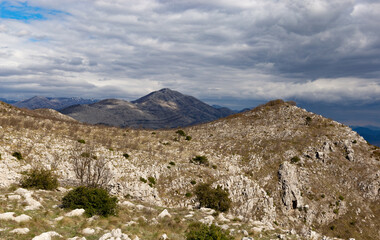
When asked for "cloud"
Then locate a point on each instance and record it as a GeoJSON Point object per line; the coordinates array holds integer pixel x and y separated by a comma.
{"type": "Point", "coordinates": [252, 49]}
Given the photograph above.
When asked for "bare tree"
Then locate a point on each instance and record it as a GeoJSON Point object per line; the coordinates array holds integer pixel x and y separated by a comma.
{"type": "Point", "coordinates": [91, 170]}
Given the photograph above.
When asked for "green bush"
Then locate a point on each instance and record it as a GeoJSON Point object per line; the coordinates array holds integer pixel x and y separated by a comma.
{"type": "Point", "coordinates": [17, 155]}
{"type": "Point", "coordinates": [152, 180]}
{"type": "Point", "coordinates": [126, 155]}
{"type": "Point", "coordinates": [295, 159]}
{"type": "Point", "coordinates": [215, 198]}
{"type": "Point", "coordinates": [200, 231]}
{"type": "Point", "coordinates": [39, 178]}
{"type": "Point", "coordinates": [201, 160]}
{"type": "Point", "coordinates": [95, 201]}
{"type": "Point", "coordinates": [0, 156]}
{"type": "Point", "coordinates": [81, 141]}
{"type": "Point", "coordinates": [193, 182]}
{"type": "Point", "coordinates": [143, 180]}
{"type": "Point", "coordinates": [172, 163]}
{"type": "Point", "coordinates": [181, 132]}
{"type": "Point", "coordinates": [341, 197]}
{"type": "Point", "coordinates": [188, 138]}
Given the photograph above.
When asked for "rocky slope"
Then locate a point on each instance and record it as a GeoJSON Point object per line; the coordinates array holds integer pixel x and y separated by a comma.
{"type": "Point", "coordinates": [160, 109]}
{"type": "Point", "coordinates": [288, 171]}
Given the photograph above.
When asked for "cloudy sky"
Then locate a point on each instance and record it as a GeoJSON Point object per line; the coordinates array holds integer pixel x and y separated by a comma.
{"type": "Point", "coordinates": [233, 53]}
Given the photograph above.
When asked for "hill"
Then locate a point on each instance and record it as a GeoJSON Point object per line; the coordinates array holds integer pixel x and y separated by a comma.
{"type": "Point", "coordinates": [52, 103]}
{"type": "Point", "coordinates": [290, 174]}
{"type": "Point", "coordinates": [161, 109]}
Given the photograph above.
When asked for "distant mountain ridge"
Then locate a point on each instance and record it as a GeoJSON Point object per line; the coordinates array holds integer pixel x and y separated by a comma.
{"type": "Point", "coordinates": [160, 109]}
{"type": "Point", "coordinates": [52, 103]}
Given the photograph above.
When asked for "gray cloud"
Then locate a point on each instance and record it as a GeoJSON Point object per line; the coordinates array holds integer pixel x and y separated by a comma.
{"type": "Point", "coordinates": [245, 49]}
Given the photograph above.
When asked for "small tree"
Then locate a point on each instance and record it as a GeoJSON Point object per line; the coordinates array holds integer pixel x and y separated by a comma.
{"type": "Point", "coordinates": [90, 170]}
{"type": "Point", "coordinates": [95, 201]}
{"type": "Point", "coordinates": [215, 198]}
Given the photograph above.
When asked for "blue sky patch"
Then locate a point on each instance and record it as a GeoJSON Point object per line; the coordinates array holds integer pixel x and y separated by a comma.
{"type": "Point", "coordinates": [23, 11]}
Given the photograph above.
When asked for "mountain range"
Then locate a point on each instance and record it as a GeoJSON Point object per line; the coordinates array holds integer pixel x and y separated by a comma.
{"type": "Point", "coordinates": [160, 109]}
{"type": "Point", "coordinates": [52, 103]}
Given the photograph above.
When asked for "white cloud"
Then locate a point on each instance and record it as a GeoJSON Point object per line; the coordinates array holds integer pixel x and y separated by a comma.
{"type": "Point", "coordinates": [258, 49]}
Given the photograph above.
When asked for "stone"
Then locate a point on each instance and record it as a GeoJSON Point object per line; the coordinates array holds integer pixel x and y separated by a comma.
{"type": "Point", "coordinates": [47, 236]}
{"type": "Point", "coordinates": [7, 216]}
{"type": "Point", "coordinates": [88, 231]}
{"type": "Point", "coordinates": [77, 238]}
{"type": "Point", "coordinates": [164, 237]}
{"type": "Point", "coordinates": [20, 230]}
{"type": "Point", "coordinates": [291, 195]}
{"type": "Point", "coordinates": [58, 218]}
{"type": "Point", "coordinates": [245, 232]}
{"type": "Point", "coordinates": [247, 238]}
{"type": "Point", "coordinates": [128, 204]}
{"type": "Point", "coordinates": [14, 197]}
{"type": "Point", "coordinates": [207, 220]}
{"type": "Point", "coordinates": [163, 214]}
{"type": "Point", "coordinates": [22, 218]}
{"type": "Point", "coordinates": [208, 211]}
{"type": "Point", "coordinates": [115, 234]}
{"type": "Point", "coordinates": [257, 229]}
{"type": "Point", "coordinates": [75, 213]}
{"type": "Point", "coordinates": [221, 218]}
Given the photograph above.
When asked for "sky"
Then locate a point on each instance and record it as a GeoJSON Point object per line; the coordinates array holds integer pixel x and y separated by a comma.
{"type": "Point", "coordinates": [324, 54]}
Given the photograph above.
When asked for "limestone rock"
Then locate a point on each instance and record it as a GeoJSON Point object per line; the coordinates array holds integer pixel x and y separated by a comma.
{"type": "Point", "coordinates": [115, 234]}
{"type": "Point", "coordinates": [75, 213]}
{"type": "Point", "coordinates": [164, 214]}
{"type": "Point", "coordinates": [47, 236]}
{"type": "Point", "coordinates": [164, 237]}
{"type": "Point", "coordinates": [20, 230]}
{"type": "Point", "coordinates": [88, 231]}
{"type": "Point", "coordinates": [291, 195]}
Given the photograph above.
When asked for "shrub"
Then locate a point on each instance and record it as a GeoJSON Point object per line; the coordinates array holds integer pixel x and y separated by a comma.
{"type": "Point", "coordinates": [200, 231]}
{"type": "Point", "coordinates": [295, 159]}
{"type": "Point", "coordinates": [172, 163]}
{"type": "Point", "coordinates": [17, 155]}
{"type": "Point", "coordinates": [341, 197]}
{"type": "Point", "coordinates": [215, 198]}
{"type": "Point", "coordinates": [188, 138]}
{"type": "Point", "coordinates": [0, 156]}
{"type": "Point", "coordinates": [39, 178]}
{"type": "Point", "coordinates": [201, 160]}
{"type": "Point", "coordinates": [193, 182]}
{"type": "Point", "coordinates": [126, 155]}
{"type": "Point", "coordinates": [143, 180]}
{"type": "Point", "coordinates": [308, 120]}
{"type": "Point", "coordinates": [181, 132]}
{"type": "Point", "coordinates": [81, 141]}
{"type": "Point", "coordinates": [188, 194]}
{"type": "Point", "coordinates": [152, 180]}
{"type": "Point", "coordinates": [95, 201]}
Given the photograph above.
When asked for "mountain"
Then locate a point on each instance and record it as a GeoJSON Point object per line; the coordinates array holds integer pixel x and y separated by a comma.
{"type": "Point", "coordinates": [289, 173]}
{"type": "Point", "coordinates": [371, 134]}
{"type": "Point", "coordinates": [160, 109]}
{"type": "Point", "coordinates": [52, 103]}
{"type": "Point", "coordinates": [7, 101]}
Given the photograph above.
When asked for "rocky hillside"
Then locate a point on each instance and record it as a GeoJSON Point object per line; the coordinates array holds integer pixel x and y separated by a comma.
{"type": "Point", "coordinates": [52, 103]}
{"type": "Point", "coordinates": [290, 174]}
{"type": "Point", "coordinates": [160, 109]}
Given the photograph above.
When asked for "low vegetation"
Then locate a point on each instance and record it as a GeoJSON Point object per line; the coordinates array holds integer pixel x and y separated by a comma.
{"type": "Point", "coordinates": [215, 198]}
{"type": "Point", "coordinates": [200, 231]}
{"type": "Point", "coordinates": [95, 201]}
{"type": "Point", "coordinates": [39, 178]}
{"type": "Point", "coordinates": [201, 160]}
